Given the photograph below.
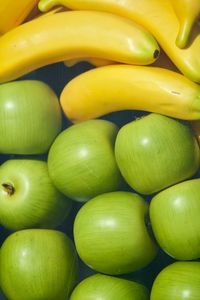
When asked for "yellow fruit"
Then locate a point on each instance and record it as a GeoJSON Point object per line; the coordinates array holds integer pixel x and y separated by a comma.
{"type": "Point", "coordinates": [158, 17]}
{"type": "Point", "coordinates": [74, 34]}
{"type": "Point", "coordinates": [124, 87]}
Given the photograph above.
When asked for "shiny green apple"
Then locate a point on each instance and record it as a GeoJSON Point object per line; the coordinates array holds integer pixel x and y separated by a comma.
{"type": "Point", "coordinates": [175, 219]}
{"type": "Point", "coordinates": [178, 281]}
{"type": "Point", "coordinates": [81, 161]}
{"type": "Point", "coordinates": [38, 264]}
{"type": "Point", "coordinates": [156, 151]}
{"type": "Point", "coordinates": [28, 197]}
{"type": "Point", "coordinates": [104, 287]}
{"type": "Point", "coordinates": [111, 235]}
{"type": "Point", "coordinates": [30, 117]}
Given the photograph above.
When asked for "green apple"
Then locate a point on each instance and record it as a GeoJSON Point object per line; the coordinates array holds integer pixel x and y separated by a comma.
{"type": "Point", "coordinates": [111, 235]}
{"type": "Point", "coordinates": [106, 287]}
{"type": "Point", "coordinates": [38, 264]}
{"type": "Point", "coordinates": [81, 161]}
{"type": "Point", "coordinates": [30, 117]}
{"type": "Point", "coordinates": [156, 151]}
{"type": "Point", "coordinates": [178, 281]}
{"type": "Point", "coordinates": [174, 215]}
{"type": "Point", "coordinates": [28, 197]}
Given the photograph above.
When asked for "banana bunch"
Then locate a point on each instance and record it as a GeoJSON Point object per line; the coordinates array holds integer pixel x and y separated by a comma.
{"type": "Point", "coordinates": [157, 16]}
{"type": "Point", "coordinates": [123, 40]}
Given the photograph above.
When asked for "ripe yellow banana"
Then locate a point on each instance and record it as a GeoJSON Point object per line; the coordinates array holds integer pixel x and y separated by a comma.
{"type": "Point", "coordinates": [73, 34]}
{"type": "Point", "coordinates": [163, 61]}
{"type": "Point", "coordinates": [158, 17]}
{"type": "Point", "coordinates": [14, 12]}
{"type": "Point", "coordinates": [125, 87]}
{"type": "Point", "coordinates": [187, 12]}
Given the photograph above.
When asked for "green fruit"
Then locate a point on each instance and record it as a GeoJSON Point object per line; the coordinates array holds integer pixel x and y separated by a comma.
{"type": "Point", "coordinates": [106, 287]}
{"type": "Point", "coordinates": [178, 281]}
{"type": "Point", "coordinates": [38, 264]}
{"type": "Point", "coordinates": [30, 117]}
{"type": "Point", "coordinates": [110, 233]}
{"type": "Point", "coordinates": [155, 152]}
{"type": "Point", "coordinates": [28, 197]}
{"type": "Point", "coordinates": [175, 221]}
{"type": "Point", "coordinates": [81, 160]}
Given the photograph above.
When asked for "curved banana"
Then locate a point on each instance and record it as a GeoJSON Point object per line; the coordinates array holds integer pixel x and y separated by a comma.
{"type": "Point", "coordinates": [163, 61]}
{"type": "Point", "coordinates": [158, 17]}
{"type": "Point", "coordinates": [74, 34]}
{"type": "Point", "coordinates": [14, 13]}
{"type": "Point", "coordinates": [187, 12]}
{"type": "Point", "coordinates": [124, 87]}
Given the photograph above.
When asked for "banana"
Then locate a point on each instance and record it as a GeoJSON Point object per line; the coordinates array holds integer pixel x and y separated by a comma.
{"type": "Point", "coordinates": [163, 61]}
{"type": "Point", "coordinates": [187, 12]}
{"type": "Point", "coordinates": [126, 87]}
{"type": "Point", "coordinates": [157, 16]}
{"type": "Point", "coordinates": [14, 13]}
{"type": "Point", "coordinates": [73, 34]}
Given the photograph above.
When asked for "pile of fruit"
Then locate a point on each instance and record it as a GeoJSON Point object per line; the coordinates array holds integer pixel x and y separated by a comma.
{"type": "Point", "coordinates": [99, 150]}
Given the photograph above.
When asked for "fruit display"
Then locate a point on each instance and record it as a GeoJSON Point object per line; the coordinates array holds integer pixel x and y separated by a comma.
{"type": "Point", "coordinates": [99, 150]}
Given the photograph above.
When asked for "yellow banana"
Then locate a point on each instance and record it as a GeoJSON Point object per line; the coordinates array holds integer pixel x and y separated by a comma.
{"type": "Point", "coordinates": [187, 12]}
{"type": "Point", "coordinates": [158, 17]}
{"type": "Point", "coordinates": [74, 34]}
{"type": "Point", "coordinates": [163, 61]}
{"type": "Point", "coordinates": [126, 87]}
{"type": "Point", "coordinates": [14, 12]}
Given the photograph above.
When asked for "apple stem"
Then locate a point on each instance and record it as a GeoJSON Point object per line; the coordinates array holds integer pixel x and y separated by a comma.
{"type": "Point", "coordinates": [9, 189]}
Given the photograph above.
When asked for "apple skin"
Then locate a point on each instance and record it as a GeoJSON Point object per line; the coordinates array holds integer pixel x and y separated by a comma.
{"type": "Point", "coordinates": [104, 287]}
{"type": "Point", "coordinates": [156, 151]}
{"type": "Point", "coordinates": [30, 117]}
{"type": "Point", "coordinates": [178, 281]}
{"type": "Point", "coordinates": [174, 216]}
{"type": "Point", "coordinates": [38, 264]}
{"type": "Point", "coordinates": [81, 161]}
{"type": "Point", "coordinates": [110, 233]}
{"type": "Point", "coordinates": [28, 197]}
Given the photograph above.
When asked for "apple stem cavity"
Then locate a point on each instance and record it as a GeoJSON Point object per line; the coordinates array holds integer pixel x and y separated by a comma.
{"type": "Point", "coordinates": [8, 188]}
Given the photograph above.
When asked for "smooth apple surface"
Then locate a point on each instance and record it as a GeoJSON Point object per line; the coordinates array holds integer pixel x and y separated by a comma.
{"type": "Point", "coordinates": [111, 235]}
{"type": "Point", "coordinates": [178, 281]}
{"type": "Point", "coordinates": [28, 197]}
{"type": "Point", "coordinates": [106, 287]}
{"type": "Point", "coordinates": [81, 160]}
{"type": "Point", "coordinates": [156, 151]}
{"type": "Point", "coordinates": [38, 264]}
{"type": "Point", "coordinates": [30, 117]}
{"type": "Point", "coordinates": [174, 215]}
